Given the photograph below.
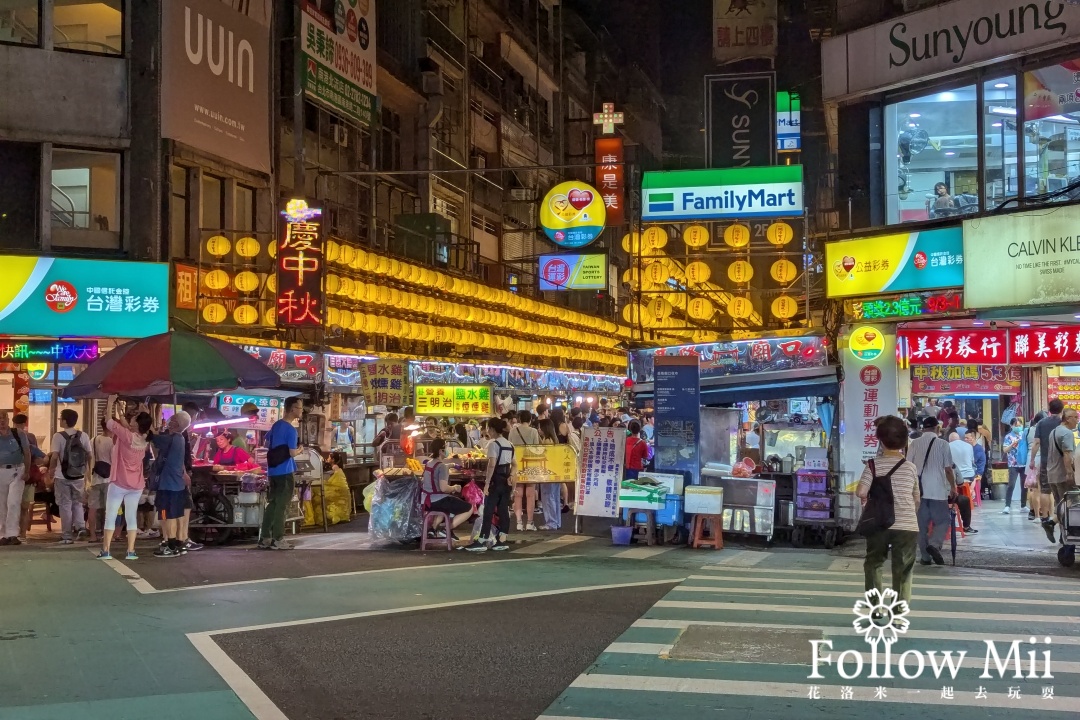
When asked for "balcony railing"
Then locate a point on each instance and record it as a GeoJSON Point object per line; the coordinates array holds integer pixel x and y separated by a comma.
{"type": "Point", "coordinates": [445, 39]}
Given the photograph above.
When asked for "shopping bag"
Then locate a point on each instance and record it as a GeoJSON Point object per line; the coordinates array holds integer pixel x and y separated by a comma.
{"type": "Point", "coordinates": [1031, 478]}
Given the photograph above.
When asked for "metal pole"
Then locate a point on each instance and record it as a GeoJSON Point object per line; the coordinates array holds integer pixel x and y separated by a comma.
{"type": "Point", "coordinates": [806, 262]}
{"type": "Point", "coordinates": [402, 173]}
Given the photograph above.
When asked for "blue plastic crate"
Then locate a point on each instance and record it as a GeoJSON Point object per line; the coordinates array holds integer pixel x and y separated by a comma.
{"type": "Point", "coordinates": [670, 514]}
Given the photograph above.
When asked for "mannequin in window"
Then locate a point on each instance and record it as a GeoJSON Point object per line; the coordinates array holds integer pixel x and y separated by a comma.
{"type": "Point", "coordinates": [941, 200]}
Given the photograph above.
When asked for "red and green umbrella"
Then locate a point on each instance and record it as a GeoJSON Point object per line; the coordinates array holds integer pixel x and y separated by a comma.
{"type": "Point", "coordinates": [171, 363]}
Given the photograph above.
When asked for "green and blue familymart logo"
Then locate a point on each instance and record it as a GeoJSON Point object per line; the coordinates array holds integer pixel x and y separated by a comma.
{"type": "Point", "coordinates": [732, 193]}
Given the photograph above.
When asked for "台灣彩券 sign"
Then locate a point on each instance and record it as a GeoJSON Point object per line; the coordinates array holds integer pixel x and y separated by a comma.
{"type": "Point", "coordinates": [454, 400]}
{"type": "Point", "coordinates": [573, 272]}
{"type": "Point", "coordinates": [65, 297]}
{"type": "Point", "coordinates": [901, 262]}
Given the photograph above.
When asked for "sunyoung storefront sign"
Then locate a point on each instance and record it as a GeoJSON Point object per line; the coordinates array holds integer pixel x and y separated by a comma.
{"type": "Point", "coordinates": [1023, 259]}
{"type": "Point", "coordinates": [731, 193]}
{"type": "Point", "coordinates": [943, 39]}
{"type": "Point", "coordinates": [901, 262]}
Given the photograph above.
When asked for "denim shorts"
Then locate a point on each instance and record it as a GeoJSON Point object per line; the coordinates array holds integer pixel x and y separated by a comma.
{"type": "Point", "coordinates": [172, 503]}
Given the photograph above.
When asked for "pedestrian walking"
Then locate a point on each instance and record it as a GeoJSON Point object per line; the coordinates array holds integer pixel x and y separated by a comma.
{"type": "Point", "coordinates": [550, 493]}
{"type": "Point", "coordinates": [902, 534]}
{"type": "Point", "coordinates": [1014, 445]}
{"type": "Point", "coordinates": [14, 470]}
{"type": "Point", "coordinates": [937, 483]}
{"type": "Point", "coordinates": [1040, 453]}
{"type": "Point", "coordinates": [498, 486]}
{"type": "Point", "coordinates": [126, 483]}
{"type": "Point", "coordinates": [68, 465]}
{"type": "Point", "coordinates": [282, 447]}
{"type": "Point", "coordinates": [1059, 466]}
{"type": "Point", "coordinates": [101, 456]}
{"type": "Point", "coordinates": [35, 476]}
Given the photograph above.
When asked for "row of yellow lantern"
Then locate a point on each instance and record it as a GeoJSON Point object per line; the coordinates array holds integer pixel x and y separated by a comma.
{"type": "Point", "coordinates": [406, 330]}
{"type": "Point", "coordinates": [655, 237]}
{"type": "Point", "coordinates": [659, 271]}
{"type": "Point", "coordinates": [216, 313]}
{"type": "Point", "coordinates": [244, 282]}
{"type": "Point", "coordinates": [361, 291]}
{"type": "Point", "coordinates": [246, 247]}
{"type": "Point", "coordinates": [365, 261]}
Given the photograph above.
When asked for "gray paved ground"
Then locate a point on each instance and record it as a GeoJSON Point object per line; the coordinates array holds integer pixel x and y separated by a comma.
{"type": "Point", "coordinates": [496, 661]}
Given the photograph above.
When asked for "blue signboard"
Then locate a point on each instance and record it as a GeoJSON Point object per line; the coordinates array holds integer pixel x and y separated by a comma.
{"type": "Point", "coordinates": [677, 413]}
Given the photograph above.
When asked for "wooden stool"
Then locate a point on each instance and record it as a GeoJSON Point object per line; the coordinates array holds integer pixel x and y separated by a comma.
{"type": "Point", "coordinates": [715, 538]}
{"type": "Point", "coordinates": [650, 523]}
{"type": "Point", "coordinates": [429, 517]}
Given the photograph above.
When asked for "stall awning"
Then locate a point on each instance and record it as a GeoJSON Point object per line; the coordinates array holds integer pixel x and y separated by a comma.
{"type": "Point", "coordinates": [811, 382]}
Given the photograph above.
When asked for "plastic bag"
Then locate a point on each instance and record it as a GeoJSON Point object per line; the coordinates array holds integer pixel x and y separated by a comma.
{"type": "Point", "coordinates": [395, 510]}
{"type": "Point", "coordinates": [1031, 478]}
{"type": "Point", "coordinates": [473, 495]}
{"type": "Point", "coordinates": [338, 501]}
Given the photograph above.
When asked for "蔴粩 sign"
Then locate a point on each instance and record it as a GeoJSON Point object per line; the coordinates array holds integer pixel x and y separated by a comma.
{"type": "Point", "coordinates": [573, 272]}
{"type": "Point", "coordinates": [65, 297]}
{"type": "Point", "coordinates": [573, 214]}
{"type": "Point", "coordinates": [728, 193]}
{"type": "Point", "coordinates": [901, 262]}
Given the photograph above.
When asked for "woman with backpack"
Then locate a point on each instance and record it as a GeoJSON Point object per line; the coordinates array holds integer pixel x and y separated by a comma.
{"type": "Point", "coordinates": [889, 489]}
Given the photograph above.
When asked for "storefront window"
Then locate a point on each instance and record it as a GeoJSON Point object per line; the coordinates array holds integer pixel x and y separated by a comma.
{"type": "Point", "coordinates": [178, 211]}
{"type": "Point", "coordinates": [19, 22]}
{"type": "Point", "coordinates": [1001, 181]}
{"type": "Point", "coordinates": [96, 27]}
{"type": "Point", "coordinates": [931, 168]}
{"type": "Point", "coordinates": [245, 209]}
{"type": "Point", "coordinates": [1051, 127]}
{"type": "Point", "coordinates": [19, 202]}
{"type": "Point", "coordinates": [213, 203]}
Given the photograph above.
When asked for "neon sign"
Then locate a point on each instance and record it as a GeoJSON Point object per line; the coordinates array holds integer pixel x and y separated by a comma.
{"type": "Point", "coordinates": [906, 306]}
{"type": "Point", "coordinates": [48, 351]}
{"type": "Point", "coordinates": [300, 267]}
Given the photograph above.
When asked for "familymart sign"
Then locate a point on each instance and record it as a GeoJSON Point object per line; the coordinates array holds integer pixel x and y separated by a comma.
{"type": "Point", "coordinates": [731, 193]}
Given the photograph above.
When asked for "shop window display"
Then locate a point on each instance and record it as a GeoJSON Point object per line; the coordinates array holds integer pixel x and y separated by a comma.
{"type": "Point", "coordinates": [1052, 128]}
{"type": "Point", "coordinates": [931, 169]}
{"type": "Point", "coordinates": [1001, 179]}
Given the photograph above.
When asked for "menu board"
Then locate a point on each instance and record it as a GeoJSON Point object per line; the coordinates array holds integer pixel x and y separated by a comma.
{"type": "Point", "coordinates": [269, 408]}
{"type": "Point", "coordinates": [454, 400]}
{"type": "Point", "coordinates": [678, 429]}
{"type": "Point", "coordinates": [601, 470]}
{"type": "Point", "coordinates": [384, 382]}
{"type": "Point", "coordinates": [546, 463]}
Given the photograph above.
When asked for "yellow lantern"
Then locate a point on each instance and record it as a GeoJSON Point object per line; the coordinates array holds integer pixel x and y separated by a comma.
{"type": "Point", "coordinates": [271, 283]}
{"type": "Point", "coordinates": [359, 322]}
{"type": "Point", "coordinates": [333, 251]}
{"type": "Point", "coordinates": [678, 300]}
{"type": "Point", "coordinates": [696, 236]}
{"type": "Point", "coordinates": [371, 322]}
{"type": "Point", "coordinates": [218, 246]}
{"type": "Point", "coordinates": [659, 309]}
{"type": "Point", "coordinates": [779, 233]}
{"type": "Point", "coordinates": [346, 320]}
{"type": "Point", "coordinates": [394, 268]}
{"type": "Point", "coordinates": [783, 271]}
{"type": "Point", "coordinates": [246, 282]}
{"type": "Point", "coordinates": [271, 250]}
{"type": "Point", "coordinates": [700, 309]}
{"type": "Point", "coordinates": [248, 247]}
{"type": "Point", "coordinates": [333, 317]}
{"type": "Point", "coordinates": [697, 273]}
{"type": "Point", "coordinates": [346, 286]}
{"type": "Point", "coordinates": [217, 280]}
{"type": "Point", "coordinates": [655, 238]}
{"type": "Point", "coordinates": [245, 315]}
{"type": "Point", "coordinates": [333, 284]}
{"type": "Point", "coordinates": [631, 243]}
{"type": "Point", "coordinates": [382, 265]}
{"type": "Point", "coordinates": [656, 273]}
{"type": "Point", "coordinates": [740, 271]}
{"type": "Point", "coordinates": [348, 254]}
{"type": "Point", "coordinates": [360, 261]}
{"type": "Point", "coordinates": [370, 293]}
{"type": "Point", "coordinates": [785, 307]}
{"type": "Point", "coordinates": [737, 236]}
{"type": "Point", "coordinates": [214, 313]}
{"type": "Point", "coordinates": [270, 317]}
{"type": "Point", "coordinates": [371, 262]}
{"type": "Point", "coordinates": [395, 297]}
{"type": "Point", "coordinates": [358, 288]}
{"type": "Point", "coordinates": [382, 295]}
{"type": "Point", "coordinates": [740, 308]}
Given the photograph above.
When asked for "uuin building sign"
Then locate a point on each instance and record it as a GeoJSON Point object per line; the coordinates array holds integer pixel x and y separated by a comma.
{"type": "Point", "coordinates": [300, 267]}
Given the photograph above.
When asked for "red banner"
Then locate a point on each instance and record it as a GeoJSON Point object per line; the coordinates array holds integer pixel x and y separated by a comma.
{"type": "Point", "coordinates": [300, 267]}
{"type": "Point", "coordinates": [950, 347]}
{"type": "Point", "coordinates": [611, 179]}
{"type": "Point", "coordinates": [1045, 346]}
{"type": "Point", "coordinates": [947, 379]}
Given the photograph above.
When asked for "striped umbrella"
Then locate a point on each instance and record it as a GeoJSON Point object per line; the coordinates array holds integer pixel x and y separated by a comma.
{"type": "Point", "coordinates": [171, 363]}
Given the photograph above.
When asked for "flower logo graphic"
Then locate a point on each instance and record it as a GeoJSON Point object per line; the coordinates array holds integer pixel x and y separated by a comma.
{"type": "Point", "coordinates": [881, 616]}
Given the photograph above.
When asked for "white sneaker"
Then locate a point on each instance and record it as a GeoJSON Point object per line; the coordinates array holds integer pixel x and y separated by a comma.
{"type": "Point", "coordinates": [153, 534]}
{"type": "Point", "coordinates": [520, 527]}
{"type": "Point", "coordinates": [1006, 511]}
{"type": "Point", "coordinates": [530, 527]}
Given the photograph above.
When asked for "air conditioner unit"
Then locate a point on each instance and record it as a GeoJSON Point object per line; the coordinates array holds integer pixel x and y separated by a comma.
{"type": "Point", "coordinates": [476, 47]}
{"type": "Point", "coordinates": [341, 135]}
{"type": "Point", "coordinates": [522, 194]}
{"type": "Point", "coordinates": [431, 83]}
{"type": "Point", "coordinates": [479, 161]}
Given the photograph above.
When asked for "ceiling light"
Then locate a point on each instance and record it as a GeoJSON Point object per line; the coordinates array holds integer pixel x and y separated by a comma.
{"type": "Point", "coordinates": [996, 125]}
{"type": "Point", "coordinates": [947, 96]}
{"type": "Point", "coordinates": [915, 115]}
{"type": "Point", "coordinates": [912, 125]}
{"type": "Point", "coordinates": [1001, 85]}
{"type": "Point", "coordinates": [1076, 316]}
{"type": "Point", "coordinates": [998, 110]}
{"type": "Point", "coordinates": [978, 323]}
{"type": "Point", "coordinates": [946, 327]}
{"type": "Point", "coordinates": [949, 154]}
{"type": "Point", "coordinates": [1025, 324]}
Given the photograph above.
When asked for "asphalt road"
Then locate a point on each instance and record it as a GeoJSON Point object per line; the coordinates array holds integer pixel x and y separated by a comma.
{"type": "Point", "coordinates": [494, 661]}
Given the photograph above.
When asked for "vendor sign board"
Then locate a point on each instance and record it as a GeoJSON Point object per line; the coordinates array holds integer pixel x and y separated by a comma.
{"type": "Point", "coordinates": [948, 347]}
{"type": "Point", "coordinates": [741, 357]}
{"type": "Point", "coordinates": [293, 366]}
{"type": "Point", "coordinates": [1023, 259]}
{"type": "Point", "coordinates": [901, 262]}
{"type": "Point", "coordinates": [546, 463]}
{"type": "Point", "coordinates": [337, 58]}
{"type": "Point", "coordinates": [573, 272]}
{"type": "Point", "coordinates": [901, 307]}
{"type": "Point", "coordinates": [869, 391]}
{"type": "Point", "coordinates": [384, 383]}
{"type": "Point", "coordinates": [453, 400]}
{"type": "Point", "coordinates": [48, 351]}
{"type": "Point", "coordinates": [573, 214]}
{"type": "Point", "coordinates": [345, 370]}
{"type": "Point", "coordinates": [960, 379]}
{"type": "Point", "coordinates": [677, 430]}
{"type": "Point", "coordinates": [270, 408]}
{"type": "Point", "coordinates": [64, 297]}
{"type": "Point", "coordinates": [649, 491]}
{"type": "Point", "coordinates": [600, 468]}
{"type": "Point", "coordinates": [728, 193]}
{"type": "Point", "coordinates": [1066, 389]}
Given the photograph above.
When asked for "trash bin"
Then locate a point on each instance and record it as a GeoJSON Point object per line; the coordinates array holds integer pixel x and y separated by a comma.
{"type": "Point", "coordinates": [997, 491]}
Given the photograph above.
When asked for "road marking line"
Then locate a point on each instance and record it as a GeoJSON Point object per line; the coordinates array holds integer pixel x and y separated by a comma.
{"type": "Point", "coordinates": [643, 553]}
{"type": "Point", "coordinates": [845, 564]}
{"type": "Point", "coordinates": [134, 579]}
{"type": "Point", "coordinates": [740, 558]}
{"type": "Point", "coordinates": [554, 544]}
{"type": "Point", "coordinates": [859, 584]}
{"type": "Point", "coordinates": [569, 717]}
{"type": "Point", "coordinates": [260, 705]}
{"type": "Point", "coordinates": [794, 691]}
{"type": "Point", "coordinates": [843, 630]}
{"type": "Point", "coordinates": [999, 578]}
{"type": "Point", "coordinates": [814, 610]}
{"type": "Point", "coordinates": [815, 593]}
{"type": "Point", "coordinates": [439, 606]}
{"type": "Point", "coordinates": [662, 650]}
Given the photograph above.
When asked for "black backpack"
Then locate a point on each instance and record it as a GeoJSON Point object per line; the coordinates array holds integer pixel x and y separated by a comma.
{"type": "Point", "coordinates": [74, 459]}
{"type": "Point", "coordinates": [879, 512]}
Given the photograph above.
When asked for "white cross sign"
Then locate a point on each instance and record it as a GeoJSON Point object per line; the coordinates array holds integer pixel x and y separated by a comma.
{"type": "Point", "coordinates": [608, 119]}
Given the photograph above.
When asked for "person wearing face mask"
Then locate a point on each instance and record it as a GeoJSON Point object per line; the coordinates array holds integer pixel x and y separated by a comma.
{"type": "Point", "coordinates": [498, 486]}
{"type": "Point", "coordinates": [436, 492]}
{"type": "Point", "coordinates": [1014, 445]}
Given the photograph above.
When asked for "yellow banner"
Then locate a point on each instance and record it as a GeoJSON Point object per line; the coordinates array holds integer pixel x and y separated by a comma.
{"type": "Point", "coordinates": [453, 400]}
{"type": "Point", "coordinates": [546, 463]}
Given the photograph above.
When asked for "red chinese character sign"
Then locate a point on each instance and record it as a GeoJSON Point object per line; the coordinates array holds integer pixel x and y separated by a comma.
{"type": "Point", "coordinates": [300, 267]}
{"type": "Point", "coordinates": [611, 179]}
{"type": "Point", "coordinates": [869, 391]}
{"type": "Point", "coordinates": [950, 347]}
{"type": "Point", "coordinates": [743, 29]}
{"type": "Point", "coordinates": [1045, 346]}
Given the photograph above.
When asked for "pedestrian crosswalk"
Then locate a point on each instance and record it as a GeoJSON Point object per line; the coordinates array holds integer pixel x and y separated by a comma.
{"type": "Point", "coordinates": [759, 640]}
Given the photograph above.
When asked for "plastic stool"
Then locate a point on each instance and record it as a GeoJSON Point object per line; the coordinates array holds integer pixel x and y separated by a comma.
{"type": "Point", "coordinates": [976, 493]}
{"type": "Point", "coordinates": [429, 518]}
{"type": "Point", "coordinates": [715, 538]}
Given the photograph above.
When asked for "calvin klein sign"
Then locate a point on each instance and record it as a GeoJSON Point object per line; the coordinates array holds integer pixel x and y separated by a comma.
{"type": "Point", "coordinates": [740, 120]}
{"type": "Point", "coordinates": [215, 81]}
{"type": "Point", "coordinates": [943, 39]}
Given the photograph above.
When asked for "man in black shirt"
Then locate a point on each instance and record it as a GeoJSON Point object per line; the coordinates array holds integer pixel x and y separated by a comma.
{"type": "Point", "coordinates": [1043, 431]}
